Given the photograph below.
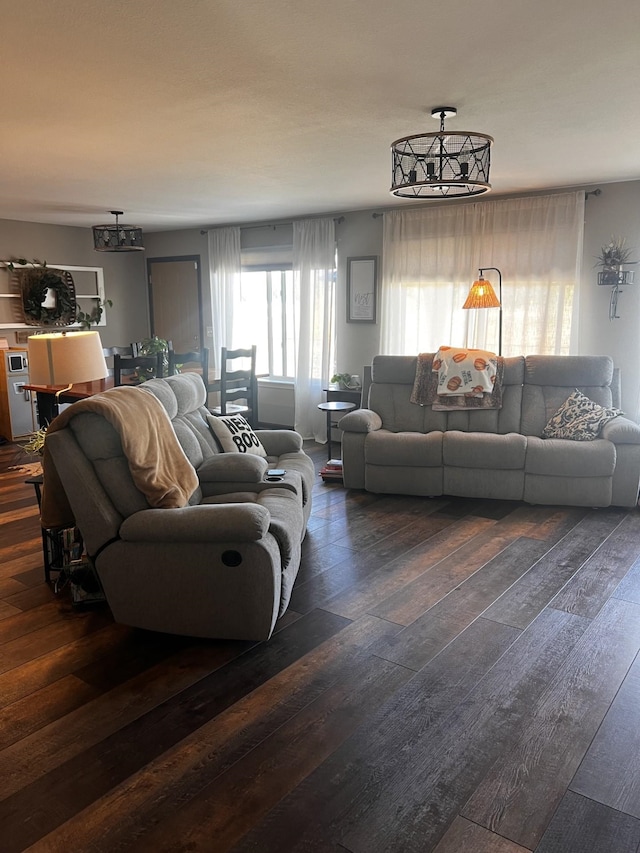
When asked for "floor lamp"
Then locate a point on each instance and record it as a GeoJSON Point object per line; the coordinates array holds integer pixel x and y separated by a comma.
{"type": "Point", "coordinates": [482, 295]}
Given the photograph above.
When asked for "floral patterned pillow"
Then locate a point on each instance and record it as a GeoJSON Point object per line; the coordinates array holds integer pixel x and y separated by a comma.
{"type": "Point", "coordinates": [579, 419]}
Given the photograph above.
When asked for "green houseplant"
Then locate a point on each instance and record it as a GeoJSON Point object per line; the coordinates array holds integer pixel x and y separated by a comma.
{"type": "Point", "coordinates": [153, 346]}
{"type": "Point", "coordinates": [612, 257]}
{"type": "Point", "coordinates": [341, 379]}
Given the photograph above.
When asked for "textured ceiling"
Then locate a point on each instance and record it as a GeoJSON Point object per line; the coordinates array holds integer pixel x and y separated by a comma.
{"type": "Point", "coordinates": [204, 112]}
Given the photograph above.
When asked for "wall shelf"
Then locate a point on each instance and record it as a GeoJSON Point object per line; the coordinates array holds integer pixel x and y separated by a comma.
{"type": "Point", "coordinates": [89, 285]}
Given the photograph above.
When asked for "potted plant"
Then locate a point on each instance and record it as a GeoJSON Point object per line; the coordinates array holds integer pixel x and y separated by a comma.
{"type": "Point", "coordinates": [342, 380]}
{"type": "Point", "coordinates": [152, 346]}
{"type": "Point", "coordinates": [612, 257]}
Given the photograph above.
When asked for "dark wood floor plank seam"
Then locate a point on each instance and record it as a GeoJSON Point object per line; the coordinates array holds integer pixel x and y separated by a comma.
{"type": "Point", "coordinates": [489, 719]}
{"type": "Point", "coordinates": [522, 602]}
{"type": "Point", "coordinates": [608, 771]}
{"type": "Point", "coordinates": [218, 745]}
{"type": "Point", "coordinates": [600, 575]}
{"type": "Point", "coordinates": [562, 725]}
{"type": "Point", "coordinates": [356, 786]}
{"type": "Point", "coordinates": [440, 624]}
{"type": "Point", "coordinates": [384, 581]}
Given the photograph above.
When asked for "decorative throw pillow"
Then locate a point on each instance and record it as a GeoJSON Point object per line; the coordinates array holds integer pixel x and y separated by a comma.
{"type": "Point", "coordinates": [579, 419]}
{"type": "Point", "coordinates": [234, 435]}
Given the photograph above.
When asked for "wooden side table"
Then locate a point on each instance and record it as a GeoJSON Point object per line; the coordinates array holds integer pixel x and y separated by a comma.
{"type": "Point", "coordinates": [332, 407]}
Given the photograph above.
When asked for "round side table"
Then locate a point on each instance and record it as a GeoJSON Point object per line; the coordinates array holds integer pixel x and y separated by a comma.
{"type": "Point", "coordinates": [333, 407]}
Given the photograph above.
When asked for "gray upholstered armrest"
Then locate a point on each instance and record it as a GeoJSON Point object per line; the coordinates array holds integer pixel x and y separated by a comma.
{"type": "Point", "coordinates": [362, 420]}
{"type": "Point", "coordinates": [233, 468]}
{"type": "Point", "coordinates": [277, 442]}
{"type": "Point", "coordinates": [621, 431]}
{"type": "Point", "coordinates": [207, 523]}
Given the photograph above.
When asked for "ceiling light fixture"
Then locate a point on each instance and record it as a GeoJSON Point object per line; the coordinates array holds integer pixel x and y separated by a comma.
{"type": "Point", "coordinates": [117, 238]}
{"type": "Point", "coordinates": [439, 164]}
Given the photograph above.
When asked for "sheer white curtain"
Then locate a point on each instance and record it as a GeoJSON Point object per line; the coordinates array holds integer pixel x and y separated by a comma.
{"type": "Point", "coordinates": [314, 275]}
{"type": "Point", "coordinates": [225, 267]}
{"type": "Point", "coordinates": [431, 258]}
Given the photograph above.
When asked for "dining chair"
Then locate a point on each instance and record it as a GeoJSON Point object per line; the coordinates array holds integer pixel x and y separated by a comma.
{"type": "Point", "coordinates": [109, 352]}
{"type": "Point", "coordinates": [178, 360]}
{"type": "Point", "coordinates": [238, 384]}
{"type": "Point", "coordinates": [147, 366]}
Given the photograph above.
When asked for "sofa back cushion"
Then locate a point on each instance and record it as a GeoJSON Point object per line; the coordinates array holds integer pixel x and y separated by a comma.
{"type": "Point", "coordinates": [392, 383]}
{"type": "Point", "coordinates": [184, 398]}
{"type": "Point", "coordinates": [550, 379]}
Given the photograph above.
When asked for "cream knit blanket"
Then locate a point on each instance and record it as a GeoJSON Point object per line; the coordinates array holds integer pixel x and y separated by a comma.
{"type": "Point", "coordinates": [157, 462]}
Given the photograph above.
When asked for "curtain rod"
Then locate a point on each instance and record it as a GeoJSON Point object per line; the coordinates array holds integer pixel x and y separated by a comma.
{"type": "Point", "coordinates": [378, 213]}
{"type": "Point", "coordinates": [337, 219]}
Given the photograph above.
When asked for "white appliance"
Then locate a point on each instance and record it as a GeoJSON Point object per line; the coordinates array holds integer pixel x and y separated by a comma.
{"type": "Point", "coordinates": [16, 409]}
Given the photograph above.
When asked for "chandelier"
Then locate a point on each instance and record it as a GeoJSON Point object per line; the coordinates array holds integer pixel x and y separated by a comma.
{"type": "Point", "coordinates": [441, 164]}
{"type": "Point", "coordinates": [117, 238]}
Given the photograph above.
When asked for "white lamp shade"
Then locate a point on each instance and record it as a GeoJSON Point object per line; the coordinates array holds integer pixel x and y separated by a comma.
{"type": "Point", "coordinates": [63, 359]}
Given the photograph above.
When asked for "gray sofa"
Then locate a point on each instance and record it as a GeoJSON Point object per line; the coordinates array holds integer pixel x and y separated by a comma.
{"type": "Point", "coordinates": [397, 447]}
{"type": "Point", "coordinates": [224, 565]}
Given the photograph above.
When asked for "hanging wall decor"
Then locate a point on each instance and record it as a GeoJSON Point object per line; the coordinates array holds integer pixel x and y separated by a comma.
{"type": "Point", "coordinates": [48, 296]}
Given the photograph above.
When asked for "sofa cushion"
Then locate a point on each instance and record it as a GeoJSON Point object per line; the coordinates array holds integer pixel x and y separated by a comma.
{"type": "Point", "coordinates": [484, 450]}
{"type": "Point", "coordinates": [558, 457]}
{"type": "Point", "coordinates": [234, 434]}
{"type": "Point", "coordinates": [413, 449]}
{"type": "Point", "coordinates": [579, 419]}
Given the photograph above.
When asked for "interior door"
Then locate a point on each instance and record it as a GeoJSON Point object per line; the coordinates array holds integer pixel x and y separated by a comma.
{"type": "Point", "coordinates": [175, 301]}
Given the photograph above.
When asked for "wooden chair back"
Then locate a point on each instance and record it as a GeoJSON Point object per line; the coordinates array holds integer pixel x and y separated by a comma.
{"type": "Point", "coordinates": [152, 367]}
{"type": "Point", "coordinates": [178, 360]}
{"type": "Point", "coordinates": [238, 384]}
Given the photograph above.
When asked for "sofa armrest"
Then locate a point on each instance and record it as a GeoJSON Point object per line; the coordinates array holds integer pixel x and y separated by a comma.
{"type": "Point", "coordinates": [245, 522]}
{"type": "Point", "coordinates": [233, 468]}
{"type": "Point", "coordinates": [362, 420]}
{"type": "Point", "coordinates": [621, 431]}
{"type": "Point", "coordinates": [277, 442]}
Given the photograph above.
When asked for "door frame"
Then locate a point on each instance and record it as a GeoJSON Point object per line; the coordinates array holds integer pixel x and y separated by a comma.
{"type": "Point", "coordinates": [174, 259]}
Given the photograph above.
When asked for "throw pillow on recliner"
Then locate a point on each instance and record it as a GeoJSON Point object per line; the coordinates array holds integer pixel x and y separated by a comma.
{"type": "Point", "coordinates": [233, 434]}
{"type": "Point", "coordinates": [579, 419]}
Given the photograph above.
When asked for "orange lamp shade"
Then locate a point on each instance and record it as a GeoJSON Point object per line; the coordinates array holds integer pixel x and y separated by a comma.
{"type": "Point", "coordinates": [482, 295]}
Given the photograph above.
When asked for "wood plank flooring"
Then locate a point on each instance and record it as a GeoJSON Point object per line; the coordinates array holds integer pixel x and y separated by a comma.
{"type": "Point", "coordinates": [452, 675]}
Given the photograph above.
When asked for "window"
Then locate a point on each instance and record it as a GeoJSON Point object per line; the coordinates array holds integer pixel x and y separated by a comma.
{"type": "Point", "coordinates": [265, 314]}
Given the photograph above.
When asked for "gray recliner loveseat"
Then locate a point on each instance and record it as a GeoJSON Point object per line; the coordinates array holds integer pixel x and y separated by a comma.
{"type": "Point", "coordinates": [223, 565]}
{"type": "Point", "coordinates": [395, 446]}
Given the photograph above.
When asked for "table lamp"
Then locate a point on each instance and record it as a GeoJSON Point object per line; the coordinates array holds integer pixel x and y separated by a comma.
{"type": "Point", "coordinates": [62, 358]}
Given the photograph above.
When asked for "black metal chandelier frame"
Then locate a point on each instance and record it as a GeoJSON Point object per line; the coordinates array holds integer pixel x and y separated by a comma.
{"type": "Point", "coordinates": [441, 164]}
{"type": "Point", "coordinates": [117, 237]}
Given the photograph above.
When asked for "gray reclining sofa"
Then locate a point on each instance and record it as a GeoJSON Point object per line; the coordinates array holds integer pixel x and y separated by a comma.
{"type": "Point", "coordinates": [395, 446]}
{"type": "Point", "coordinates": [224, 565]}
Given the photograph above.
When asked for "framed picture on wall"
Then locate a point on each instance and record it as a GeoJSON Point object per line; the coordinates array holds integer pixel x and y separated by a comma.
{"type": "Point", "coordinates": [362, 278]}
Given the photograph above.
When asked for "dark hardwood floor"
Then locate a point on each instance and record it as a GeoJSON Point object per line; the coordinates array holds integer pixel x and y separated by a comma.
{"type": "Point", "coordinates": [453, 675]}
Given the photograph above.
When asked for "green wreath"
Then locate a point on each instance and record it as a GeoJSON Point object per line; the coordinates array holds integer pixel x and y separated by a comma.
{"type": "Point", "coordinates": [35, 284]}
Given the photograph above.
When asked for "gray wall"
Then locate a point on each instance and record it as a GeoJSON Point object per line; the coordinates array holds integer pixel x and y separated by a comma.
{"type": "Point", "coordinates": [124, 273]}
{"type": "Point", "coordinates": [615, 212]}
